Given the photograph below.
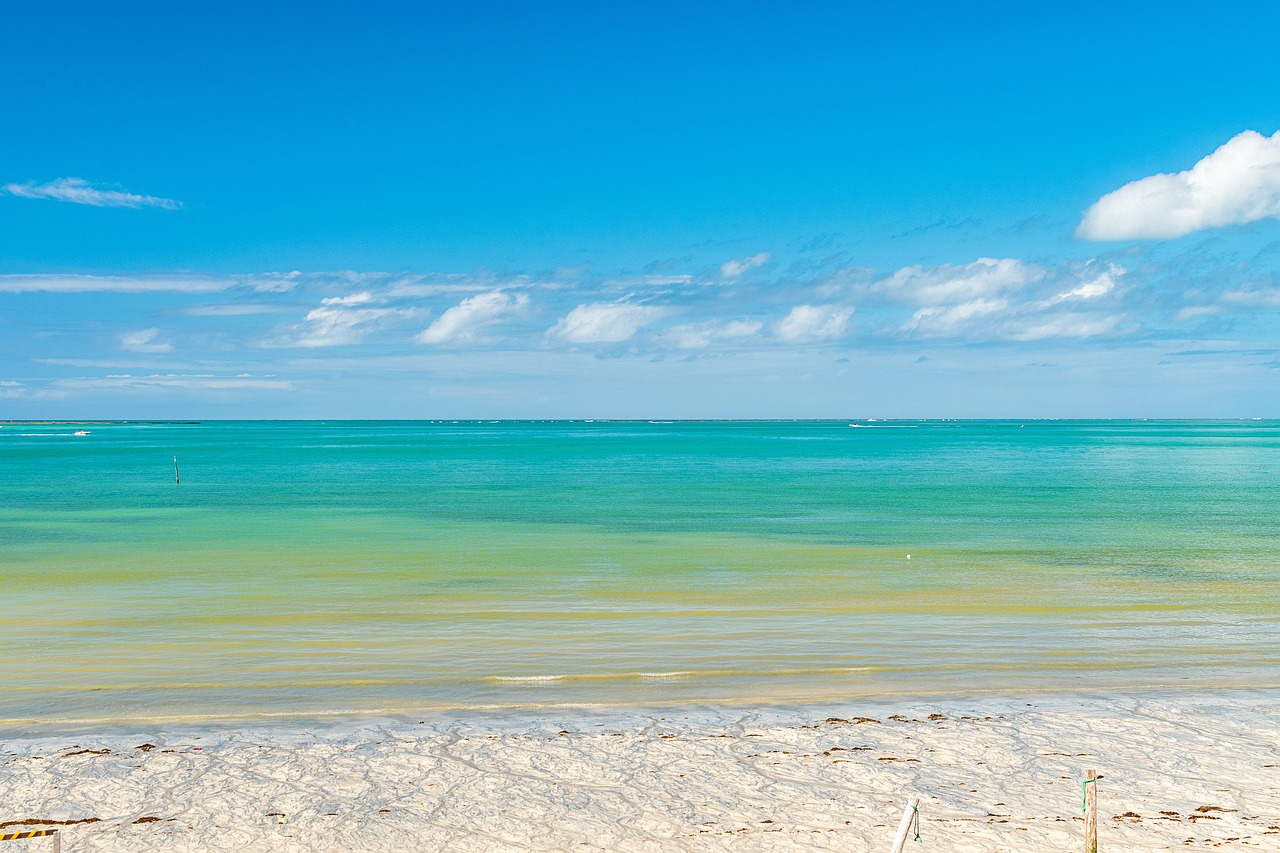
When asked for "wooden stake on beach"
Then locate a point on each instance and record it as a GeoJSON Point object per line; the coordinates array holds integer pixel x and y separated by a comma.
{"type": "Point", "coordinates": [1090, 812]}
{"type": "Point", "coordinates": [904, 826]}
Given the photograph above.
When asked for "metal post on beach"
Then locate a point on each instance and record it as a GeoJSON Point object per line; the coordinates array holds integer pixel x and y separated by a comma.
{"type": "Point", "coordinates": [1090, 811]}
{"type": "Point", "coordinates": [904, 826]}
{"type": "Point", "coordinates": [35, 833]}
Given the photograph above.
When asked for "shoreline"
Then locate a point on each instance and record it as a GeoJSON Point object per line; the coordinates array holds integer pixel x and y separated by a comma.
{"type": "Point", "coordinates": [994, 774]}
{"type": "Point", "coordinates": [523, 711]}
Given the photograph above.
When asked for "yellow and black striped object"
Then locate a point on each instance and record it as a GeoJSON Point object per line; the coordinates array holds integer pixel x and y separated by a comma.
{"type": "Point", "coordinates": [26, 833]}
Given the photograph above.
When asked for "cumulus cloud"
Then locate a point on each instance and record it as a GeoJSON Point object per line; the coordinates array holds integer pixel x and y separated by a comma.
{"type": "Point", "coordinates": [80, 191]}
{"type": "Point", "coordinates": [707, 334]}
{"type": "Point", "coordinates": [341, 320]}
{"type": "Point", "coordinates": [808, 323]}
{"type": "Point", "coordinates": [735, 268]}
{"type": "Point", "coordinates": [1238, 183]}
{"type": "Point", "coordinates": [605, 322]}
{"type": "Point", "coordinates": [145, 340]}
{"type": "Point", "coordinates": [463, 322]}
{"type": "Point", "coordinates": [950, 284]}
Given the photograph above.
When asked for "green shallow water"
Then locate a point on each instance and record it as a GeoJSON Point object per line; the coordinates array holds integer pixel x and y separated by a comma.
{"type": "Point", "coordinates": [316, 567]}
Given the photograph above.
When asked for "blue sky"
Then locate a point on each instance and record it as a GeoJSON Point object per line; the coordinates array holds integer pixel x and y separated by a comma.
{"type": "Point", "coordinates": [654, 210]}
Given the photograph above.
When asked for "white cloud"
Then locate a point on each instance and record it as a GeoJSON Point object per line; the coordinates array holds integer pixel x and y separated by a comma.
{"type": "Point", "coordinates": [169, 381]}
{"type": "Point", "coordinates": [463, 322]}
{"type": "Point", "coordinates": [703, 335]}
{"type": "Point", "coordinates": [1268, 296]}
{"type": "Point", "coordinates": [1006, 300]}
{"type": "Point", "coordinates": [1238, 183]}
{"type": "Point", "coordinates": [813, 323]}
{"type": "Point", "coordinates": [1067, 324]}
{"type": "Point", "coordinates": [235, 309]}
{"type": "Point", "coordinates": [605, 322]}
{"type": "Point", "coordinates": [944, 321]}
{"type": "Point", "coordinates": [950, 284]}
{"type": "Point", "coordinates": [111, 284]}
{"type": "Point", "coordinates": [415, 289]}
{"type": "Point", "coordinates": [1096, 287]}
{"type": "Point", "coordinates": [11, 390]}
{"type": "Point", "coordinates": [634, 281]}
{"type": "Point", "coordinates": [270, 282]}
{"type": "Point", "coordinates": [341, 320]}
{"type": "Point", "coordinates": [735, 268]}
{"type": "Point", "coordinates": [1192, 312]}
{"type": "Point", "coordinates": [145, 340]}
{"type": "Point", "coordinates": [80, 191]}
{"type": "Point", "coordinates": [996, 319]}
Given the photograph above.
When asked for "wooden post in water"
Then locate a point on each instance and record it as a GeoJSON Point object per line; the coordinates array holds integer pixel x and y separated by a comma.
{"type": "Point", "coordinates": [1090, 811]}
{"type": "Point", "coordinates": [176, 479]}
{"type": "Point", "coordinates": [904, 826]}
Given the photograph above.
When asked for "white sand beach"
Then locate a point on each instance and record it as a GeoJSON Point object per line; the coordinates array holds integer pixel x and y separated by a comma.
{"type": "Point", "coordinates": [1179, 772]}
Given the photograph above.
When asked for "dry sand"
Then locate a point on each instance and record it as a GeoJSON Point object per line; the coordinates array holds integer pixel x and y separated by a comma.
{"type": "Point", "coordinates": [1180, 772]}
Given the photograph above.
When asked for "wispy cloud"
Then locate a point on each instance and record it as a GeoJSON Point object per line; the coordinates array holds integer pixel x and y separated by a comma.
{"type": "Point", "coordinates": [808, 323]}
{"type": "Point", "coordinates": [944, 321]}
{"type": "Point", "coordinates": [703, 335]}
{"type": "Point", "coordinates": [112, 284]}
{"type": "Point", "coordinates": [735, 268]}
{"type": "Point", "coordinates": [1063, 324]}
{"type": "Point", "coordinates": [462, 323]}
{"type": "Point", "coordinates": [169, 381]}
{"type": "Point", "coordinates": [80, 191]}
{"type": "Point", "coordinates": [1262, 296]}
{"type": "Point", "coordinates": [605, 322]}
{"type": "Point", "coordinates": [1006, 300]}
{"type": "Point", "coordinates": [145, 340]}
{"type": "Point", "coordinates": [235, 309]}
{"type": "Point", "coordinates": [1195, 312]}
{"type": "Point", "coordinates": [1238, 183]}
{"type": "Point", "coordinates": [269, 282]}
{"type": "Point", "coordinates": [341, 320]}
{"type": "Point", "coordinates": [949, 284]}
{"type": "Point", "coordinates": [1101, 285]}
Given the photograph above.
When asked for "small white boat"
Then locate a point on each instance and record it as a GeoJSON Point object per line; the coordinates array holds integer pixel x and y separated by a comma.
{"type": "Point", "coordinates": [81, 432]}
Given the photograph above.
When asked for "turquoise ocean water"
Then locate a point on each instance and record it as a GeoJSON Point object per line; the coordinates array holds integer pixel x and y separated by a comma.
{"type": "Point", "coordinates": [312, 567]}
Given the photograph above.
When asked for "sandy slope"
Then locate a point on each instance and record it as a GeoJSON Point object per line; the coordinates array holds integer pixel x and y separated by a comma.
{"type": "Point", "coordinates": [1181, 772]}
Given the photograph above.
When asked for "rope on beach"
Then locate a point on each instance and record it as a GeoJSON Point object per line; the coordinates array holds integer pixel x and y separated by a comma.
{"type": "Point", "coordinates": [1084, 793]}
{"type": "Point", "coordinates": [27, 833]}
{"type": "Point", "coordinates": [916, 824]}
